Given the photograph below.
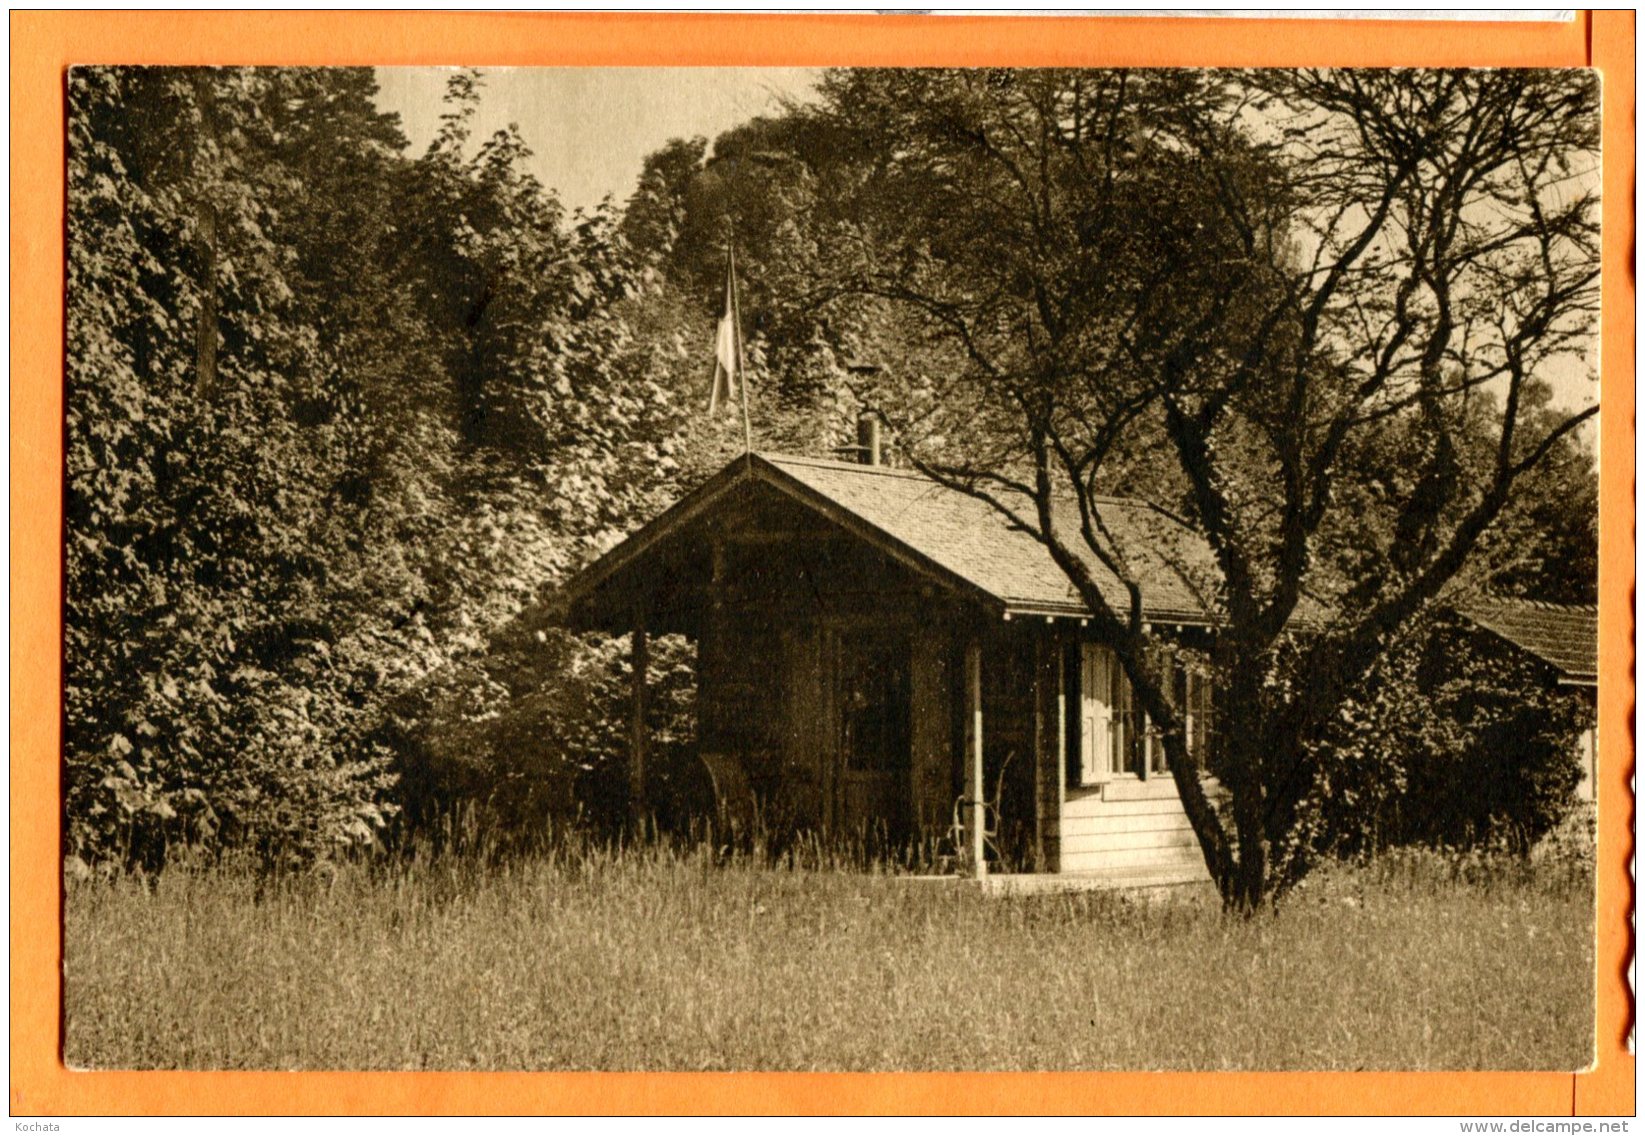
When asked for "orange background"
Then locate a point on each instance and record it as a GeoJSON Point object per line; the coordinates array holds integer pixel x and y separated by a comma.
{"type": "Point", "coordinates": [43, 44]}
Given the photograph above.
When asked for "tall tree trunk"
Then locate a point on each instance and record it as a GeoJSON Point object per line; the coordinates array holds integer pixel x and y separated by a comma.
{"type": "Point", "coordinates": [1202, 817]}
{"type": "Point", "coordinates": [1244, 766]}
{"type": "Point", "coordinates": [1251, 874]}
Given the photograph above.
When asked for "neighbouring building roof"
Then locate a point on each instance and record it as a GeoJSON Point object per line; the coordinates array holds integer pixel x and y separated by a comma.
{"type": "Point", "coordinates": [1565, 636]}
{"type": "Point", "coordinates": [956, 537]}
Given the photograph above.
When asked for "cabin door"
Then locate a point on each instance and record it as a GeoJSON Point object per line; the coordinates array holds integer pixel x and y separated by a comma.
{"type": "Point", "coordinates": [874, 731]}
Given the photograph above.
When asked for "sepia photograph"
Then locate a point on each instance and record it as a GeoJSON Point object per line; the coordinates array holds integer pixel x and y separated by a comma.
{"type": "Point", "coordinates": [830, 569]}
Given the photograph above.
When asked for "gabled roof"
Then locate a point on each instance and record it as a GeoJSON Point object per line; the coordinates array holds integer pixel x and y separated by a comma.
{"type": "Point", "coordinates": [1566, 637]}
{"type": "Point", "coordinates": [957, 538]}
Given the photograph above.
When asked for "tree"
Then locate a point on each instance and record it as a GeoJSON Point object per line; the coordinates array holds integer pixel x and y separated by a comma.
{"type": "Point", "coordinates": [1546, 544]}
{"type": "Point", "coordinates": [1256, 277]}
{"type": "Point", "coordinates": [335, 416]}
{"type": "Point", "coordinates": [763, 186]}
{"type": "Point", "coordinates": [201, 466]}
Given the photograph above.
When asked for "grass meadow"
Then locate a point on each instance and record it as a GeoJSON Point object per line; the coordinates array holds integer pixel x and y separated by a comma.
{"type": "Point", "coordinates": [677, 958]}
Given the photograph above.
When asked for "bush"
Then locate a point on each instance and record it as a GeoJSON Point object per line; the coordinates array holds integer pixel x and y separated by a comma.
{"type": "Point", "coordinates": [534, 731]}
{"type": "Point", "coordinates": [1454, 743]}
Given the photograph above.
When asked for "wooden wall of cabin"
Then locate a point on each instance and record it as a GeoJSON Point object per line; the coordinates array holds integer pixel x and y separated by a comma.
{"type": "Point", "coordinates": [740, 691]}
{"type": "Point", "coordinates": [1019, 732]}
{"type": "Point", "coordinates": [768, 696]}
{"type": "Point", "coordinates": [1124, 825]}
{"type": "Point", "coordinates": [769, 650]}
{"type": "Point", "coordinates": [936, 671]}
{"type": "Point", "coordinates": [1051, 779]}
{"type": "Point", "coordinates": [795, 693]}
{"type": "Point", "coordinates": [809, 724]}
{"type": "Point", "coordinates": [1011, 736]}
{"type": "Point", "coordinates": [766, 667]}
{"type": "Point", "coordinates": [768, 687]}
{"type": "Point", "coordinates": [805, 725]}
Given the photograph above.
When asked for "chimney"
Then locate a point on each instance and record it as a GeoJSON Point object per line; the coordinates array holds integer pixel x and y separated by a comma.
{"type": "Point", "coordinates": [868, 439]}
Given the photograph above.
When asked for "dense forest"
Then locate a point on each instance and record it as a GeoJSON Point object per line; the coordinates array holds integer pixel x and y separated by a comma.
{"type": "Point", "coordinates": [340, 417]}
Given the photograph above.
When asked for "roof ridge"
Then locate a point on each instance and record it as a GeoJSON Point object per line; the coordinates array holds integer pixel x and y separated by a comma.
{"type": "Point", "coordinates": [845, 466]}
{"type": "Point", "coordinates": [915, 475]}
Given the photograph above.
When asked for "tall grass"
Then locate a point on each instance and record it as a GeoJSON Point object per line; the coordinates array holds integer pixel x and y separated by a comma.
{"type": "Point", "coordinates": [671, 957]}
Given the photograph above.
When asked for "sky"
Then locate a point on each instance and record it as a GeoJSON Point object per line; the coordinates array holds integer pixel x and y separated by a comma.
{"type": "Point", "coordinates": [590, 128]}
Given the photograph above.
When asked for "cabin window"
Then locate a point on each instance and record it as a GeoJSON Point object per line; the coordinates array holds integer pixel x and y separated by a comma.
{"type": "Point", "coordinates": [875, 703]}
{"type": "Point", "coordinates": [1116, 738]}
{"type": "Point", "coordinates": [1197, 700]}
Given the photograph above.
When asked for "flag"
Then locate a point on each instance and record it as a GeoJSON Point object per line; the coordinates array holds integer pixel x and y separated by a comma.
{"type": "Point", "coordinates": [727, 351]}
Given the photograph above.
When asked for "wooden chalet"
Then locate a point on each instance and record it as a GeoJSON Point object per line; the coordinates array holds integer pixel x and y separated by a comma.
{"type": "Point", "coordinates": [881, 653]}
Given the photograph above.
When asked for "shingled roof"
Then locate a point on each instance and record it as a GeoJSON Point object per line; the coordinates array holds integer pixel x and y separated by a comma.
{"type": "Point", "coordinates": [973, 540]}
{"type": "Point", "coordinates": [953, 535]}
{"type": "Point", "coordinates": [1566, 637]}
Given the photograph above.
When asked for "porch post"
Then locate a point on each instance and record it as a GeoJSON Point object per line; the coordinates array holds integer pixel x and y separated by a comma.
{"type": "Point", "coordinates": [973, 755]}
{"type": "Point", "coordinates": [832, 740]}
{"type": "Point", "coordinates": [1059, 764]}
{"type": "Point", "coordinates": [1039, 752]}
{"type": "Point", "coordinates": [639, 658]}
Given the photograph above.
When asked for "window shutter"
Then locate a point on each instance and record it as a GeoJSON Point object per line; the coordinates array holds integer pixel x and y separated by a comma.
{"type": "Point", "coordinates": [1096, 712]}
{"type": "Point", "coordinates": [1088, 713]}
{"type": "Point", "coordinates": [1123, 730]}
{"type": "Point", "coordinates": [1112, 678]}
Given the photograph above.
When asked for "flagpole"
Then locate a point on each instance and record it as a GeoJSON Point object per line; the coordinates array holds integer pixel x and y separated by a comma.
{"type": "Point", "coordinates": [742, 368]}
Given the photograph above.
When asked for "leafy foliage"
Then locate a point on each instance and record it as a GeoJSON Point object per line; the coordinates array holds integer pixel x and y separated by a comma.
{"type": "Point", "coordinates": [209, 691]}
{"type": "Point", "coordinates": [335, 417]}
{"type": "Point", "coordinates": [1455, 741]}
